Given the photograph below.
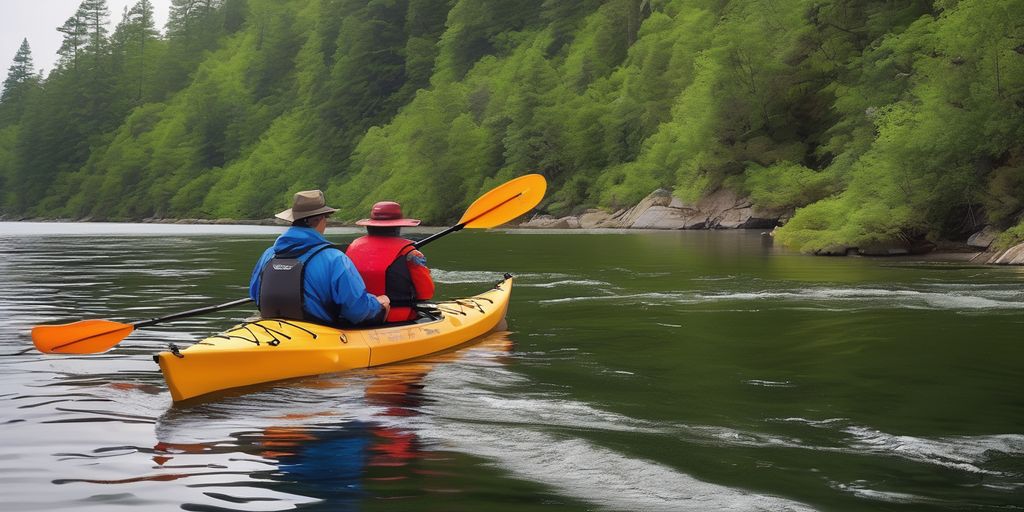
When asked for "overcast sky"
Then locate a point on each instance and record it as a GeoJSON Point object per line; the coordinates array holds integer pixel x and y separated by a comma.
{"type": "Point", "coordinates": [38, 20]}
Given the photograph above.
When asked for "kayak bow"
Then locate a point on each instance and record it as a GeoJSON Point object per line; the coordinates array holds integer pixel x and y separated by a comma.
{"type": "Point", "coordinates": [269, 350]}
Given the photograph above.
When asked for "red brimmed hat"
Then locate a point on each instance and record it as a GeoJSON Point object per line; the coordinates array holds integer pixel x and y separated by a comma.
{"type": "Point", "coordinates": [387, 214]}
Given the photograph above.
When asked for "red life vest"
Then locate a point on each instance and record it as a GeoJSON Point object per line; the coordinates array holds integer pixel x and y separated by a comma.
{"type": "Point", "coordinates": [385, 272]}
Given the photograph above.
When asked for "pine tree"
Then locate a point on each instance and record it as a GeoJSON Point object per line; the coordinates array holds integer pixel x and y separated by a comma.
{"type": "Point", "coordinates": [74, 37]}
{"type": "Point", "coordinates": [19, 75]}
{"type": "Point", "coordinates": [20, 78]}
{"type": "Point", "coordinates": [193, 27]}
{"type": "Point", "coordinates": [95, 16]}
{"type": "Point", "coordinates": [134, 40]}
{"type": "Point", "coordinates": [187, 16]}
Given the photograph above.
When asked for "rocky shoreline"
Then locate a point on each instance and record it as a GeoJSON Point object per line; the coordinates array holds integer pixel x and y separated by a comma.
{"type": "Point", "coordinates": [724, 209]}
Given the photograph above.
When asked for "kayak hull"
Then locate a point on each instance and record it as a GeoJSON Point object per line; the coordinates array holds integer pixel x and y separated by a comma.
{"type": "Point", "coordinates": [269, 350]}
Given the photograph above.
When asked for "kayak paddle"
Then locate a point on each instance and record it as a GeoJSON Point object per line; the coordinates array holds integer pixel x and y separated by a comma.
{"type": "Point", "coordinates": [498, 206]}
{"type": "Point", "coordinates": [95, 336]}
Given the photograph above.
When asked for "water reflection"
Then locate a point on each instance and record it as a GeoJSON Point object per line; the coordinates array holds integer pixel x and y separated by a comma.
{"type": "Point", "coordinates": [323, 453]}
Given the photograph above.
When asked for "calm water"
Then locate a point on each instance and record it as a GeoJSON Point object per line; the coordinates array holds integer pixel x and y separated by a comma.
{"type": "Point", "coordinates": [642, 371]}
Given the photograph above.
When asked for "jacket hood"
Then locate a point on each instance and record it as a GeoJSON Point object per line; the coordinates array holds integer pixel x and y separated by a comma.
{"type": "Point", "coordinates": [298, 239]}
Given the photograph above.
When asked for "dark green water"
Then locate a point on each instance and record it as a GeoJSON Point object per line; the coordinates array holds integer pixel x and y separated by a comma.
{"type": "Point", "coordinates": [641, 371]}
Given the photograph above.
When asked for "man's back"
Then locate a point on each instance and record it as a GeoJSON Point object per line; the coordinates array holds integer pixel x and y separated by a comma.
{"type": "Point", "coordinates": [332, 290]}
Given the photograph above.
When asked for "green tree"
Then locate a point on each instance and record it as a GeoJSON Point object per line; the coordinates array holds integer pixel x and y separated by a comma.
{"type": "Point", "coordinates": [74, 30]}
{"type": "Point", "coordinates": [476, 28]}
{"type": "Point", "coordinates": [923, 173]}
{"type": "Point", "coordinates": [21, 78]}
{"type": "Point", "coordinates": [193, 27]}
{"type": "Point", "coordinates": [137, 42]}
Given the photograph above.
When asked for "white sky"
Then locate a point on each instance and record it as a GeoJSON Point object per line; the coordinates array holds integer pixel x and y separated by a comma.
{"type": "Point", "coordinates": [38, 21]}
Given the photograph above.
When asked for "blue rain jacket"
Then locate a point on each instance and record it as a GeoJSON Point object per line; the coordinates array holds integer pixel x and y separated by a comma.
{"type": "Point", "coordinates": [330, 278]}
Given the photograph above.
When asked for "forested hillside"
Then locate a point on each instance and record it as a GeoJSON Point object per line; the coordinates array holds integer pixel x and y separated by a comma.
{"type": "Point", "coordinates": [876, 120]}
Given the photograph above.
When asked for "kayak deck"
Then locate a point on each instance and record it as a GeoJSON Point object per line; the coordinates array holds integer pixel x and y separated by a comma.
{"type": "Point", "coordinates": [268, 350]}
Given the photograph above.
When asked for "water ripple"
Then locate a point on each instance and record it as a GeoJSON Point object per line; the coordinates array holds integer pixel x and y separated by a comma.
{"type": "Point", "coordinates": [830, 299]}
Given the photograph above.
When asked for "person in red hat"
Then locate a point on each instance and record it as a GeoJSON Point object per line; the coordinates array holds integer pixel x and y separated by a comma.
{"type": "Point", "coordinates": [391, 265]}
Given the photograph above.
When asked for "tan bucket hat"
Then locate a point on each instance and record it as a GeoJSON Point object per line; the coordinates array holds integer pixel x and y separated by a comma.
{"type": "Point", "coordinates": [306, 204]}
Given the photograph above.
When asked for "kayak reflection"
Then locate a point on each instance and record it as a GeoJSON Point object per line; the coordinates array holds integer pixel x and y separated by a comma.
{"type": "Point", "coordinates": [331, 441]}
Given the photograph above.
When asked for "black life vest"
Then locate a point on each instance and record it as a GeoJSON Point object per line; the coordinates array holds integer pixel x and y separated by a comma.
{"type": "Point", "coordinates": [282, 293]}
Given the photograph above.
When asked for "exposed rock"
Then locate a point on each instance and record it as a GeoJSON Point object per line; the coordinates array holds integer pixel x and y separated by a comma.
{"type": "Point", "coordinates": [722, 209]}
{"type": "Point", "coordinates": [594, 219]}
{"type": "Point", "coordinates": [1012, 256]}
{"type": "Point", "coordinates": [549, 222]}
{"type": "Point", "coordinates": [538, 221]}
{"type": "Point", "coordinates": [658, 198]}
{"type": "Point", "coordinates": [984, 238]}
{"type": "Point", "coordinates": [664, 217]}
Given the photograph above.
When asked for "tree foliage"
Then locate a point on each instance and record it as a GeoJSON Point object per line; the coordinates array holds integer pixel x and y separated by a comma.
{"type": "Point", "coordinates": [21, 80]}
{"type": "Point", "coordinates": [875, 120]}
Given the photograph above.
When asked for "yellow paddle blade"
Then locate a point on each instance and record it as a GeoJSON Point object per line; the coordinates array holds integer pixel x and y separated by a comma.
{"type": "Point", "coordinates": [505, 202]}
{"type": "Point", "coordinates": [83, 337]}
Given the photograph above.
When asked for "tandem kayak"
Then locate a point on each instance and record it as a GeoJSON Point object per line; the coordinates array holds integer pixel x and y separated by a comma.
{"type": "Point", "coordinates": [269, 350]}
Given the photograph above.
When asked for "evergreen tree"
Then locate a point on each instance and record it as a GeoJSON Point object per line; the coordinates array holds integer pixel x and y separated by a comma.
{"type": "Point", "coordinates": [20, 78]}
{"type": "Point", "coordinates": [135, 41]}
{"type": "Point", "coordinates": [368, 70]}
{"type": "Point", "coordinates": [74, 30]}
{"type": "Point", "coordinates": [95, 15]}
{"type": "Point", "coordinates": [194, 21]}
{"type": "Point", "coordinates": [193, 26]}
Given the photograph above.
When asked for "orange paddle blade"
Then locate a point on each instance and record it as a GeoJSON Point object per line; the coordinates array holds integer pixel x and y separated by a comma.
{"type": "Point", "coordinates": [83, 337]}
{"type": "Point", "coordinates": [505, 202]}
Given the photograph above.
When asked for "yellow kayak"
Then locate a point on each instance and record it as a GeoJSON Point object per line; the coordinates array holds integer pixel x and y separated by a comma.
{"type": "Point", "coordinates": [268, 350]}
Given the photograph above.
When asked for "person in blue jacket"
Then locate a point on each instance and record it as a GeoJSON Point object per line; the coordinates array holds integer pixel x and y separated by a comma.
{"type": "Point", "coordinates": [304, 277]}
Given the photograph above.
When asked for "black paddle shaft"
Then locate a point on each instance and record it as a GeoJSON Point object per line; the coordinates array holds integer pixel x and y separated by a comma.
{"type": "Point", "coordinates": [458, 227]}
{"type": "Point", "coordinates": [437, 235]}
{"type": "Point", "coordinates": [191, 312]}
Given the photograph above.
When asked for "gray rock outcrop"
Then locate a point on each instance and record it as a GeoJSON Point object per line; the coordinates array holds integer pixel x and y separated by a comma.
{"type": "Point", "coordinates": [1012, 256]}
{"type": "Point", "coordinates": [549, 222]}
{"type": "Point", "coordinates": [984, 238]}
{"type": "Point", "coordinates": [722, 209]}
{"type": "Point", "coordinates": [596, 219]}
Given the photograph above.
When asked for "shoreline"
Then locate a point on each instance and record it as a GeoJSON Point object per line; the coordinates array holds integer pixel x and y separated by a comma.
{"type": "Point", "coordinates": [945, 252]}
